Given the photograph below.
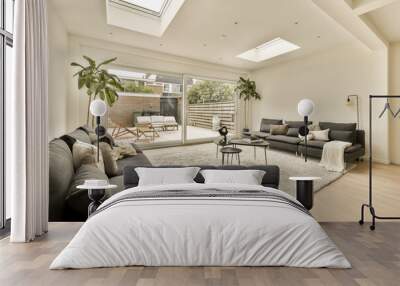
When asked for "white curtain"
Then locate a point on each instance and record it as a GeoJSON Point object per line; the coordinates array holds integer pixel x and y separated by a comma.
{"type": "Point", "coordinates": [26, 145]}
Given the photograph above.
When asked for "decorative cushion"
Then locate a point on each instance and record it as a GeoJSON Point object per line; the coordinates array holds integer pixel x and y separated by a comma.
{"type": "Point", "coordinates": [278, 129]}
{"type": "Point", "coordinates": [265, 124]}
{"type": "Point", "coordinates": [166, 176]}
{"type": "Point", "coordinates": [125, 150]}
{"type": "Point", "coordinates": [340, 135]}
{"type": "Point", "coordinates": [86, 154]}
{"type": "Point", "coordinates": [320, 135]}
{"type": "Point", "coordinates": [293, 132]}
{"type": "Point", "coordinates": [246, 177]}
{"type": "Point", "coordinates": [110, 157]}
{"type": "Point", "coordinates": [310, 137]}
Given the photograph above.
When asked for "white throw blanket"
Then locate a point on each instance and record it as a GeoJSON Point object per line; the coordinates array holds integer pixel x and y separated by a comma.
{"type": "Point", "coordinates": [333, 156]}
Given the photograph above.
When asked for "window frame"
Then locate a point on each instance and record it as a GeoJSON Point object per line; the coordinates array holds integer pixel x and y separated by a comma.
{"type": "Point", "coordinates": [6, 39]}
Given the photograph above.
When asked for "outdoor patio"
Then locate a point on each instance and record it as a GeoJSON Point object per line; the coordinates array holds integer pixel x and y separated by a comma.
{"type": "Point", "coordinates": [193, 133]}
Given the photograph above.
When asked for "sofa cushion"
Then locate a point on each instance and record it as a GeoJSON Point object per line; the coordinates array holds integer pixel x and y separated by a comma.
{"type": "Point", "coordinates": [61, 171]}
{"type": "Point", "coordinates": [80, 135]}
{"type": "Point", "coordinates": [296, 124]}
{"type": "Point", "coordinates": [266, 123]}
{"type": "Point", "coordinates": [293, 132]}
{"type": "Point", "coordinates": [110, 157]}
{"type": "Point", "coordinates": [278, 129]}
{"type": "Point", "coordinates": [340, 126]}
{"type": "Point", "coordinates": [77, 200]}
{"type": "Point", "coordinates": [314, 144]}
{"type": "Point", "coordinates": [260, 134]}
{"type": "Point", "coordinates": [346, 136]}
{"type": "Point", "coordinates": [139, 160]}
{"type": "Point", "coordinates": [284, 139]}
{"type": "Point", "coordinates": [353, 148]}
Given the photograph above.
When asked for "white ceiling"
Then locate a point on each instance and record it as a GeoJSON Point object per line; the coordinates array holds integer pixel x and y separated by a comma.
{"type": "Point", "coordinates": [387, 20]}
{"type": "Point", "coordinates": [205, 29]}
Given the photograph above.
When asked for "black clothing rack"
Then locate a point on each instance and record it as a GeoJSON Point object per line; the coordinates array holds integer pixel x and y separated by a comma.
{"type": "Point", "coordinates": [370, 201]}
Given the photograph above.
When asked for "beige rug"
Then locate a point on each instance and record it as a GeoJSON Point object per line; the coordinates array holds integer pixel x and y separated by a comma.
{"type": "Point", "coordinates": [205, 154]}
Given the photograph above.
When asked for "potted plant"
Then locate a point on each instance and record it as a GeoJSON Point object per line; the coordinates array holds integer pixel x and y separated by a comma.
{"type": "Point", "coordinates": [98, 82]}
{"type": "Point", "coordinates": [247, 90]}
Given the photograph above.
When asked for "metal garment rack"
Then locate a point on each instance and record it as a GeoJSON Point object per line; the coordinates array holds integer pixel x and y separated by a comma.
{"type": "Point", "coordinates": [370, 201]}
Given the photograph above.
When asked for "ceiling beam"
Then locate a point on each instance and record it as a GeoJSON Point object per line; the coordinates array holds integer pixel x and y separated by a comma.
{"type": "Point", "coordinates": [361, 7]}
{"type": "Point", "coordinates": [358, 26]}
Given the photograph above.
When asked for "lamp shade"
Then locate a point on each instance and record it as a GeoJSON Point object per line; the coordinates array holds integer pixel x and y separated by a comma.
{"type": "Point", "coordinates": [305, 107]}
{"type": "Point", "coordinates": [98, 107]}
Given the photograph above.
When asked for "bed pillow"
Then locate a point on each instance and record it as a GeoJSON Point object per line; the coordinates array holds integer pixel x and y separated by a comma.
{"type": "Point", "coordinates": [279, 129]}
{"type": "Point", "coordinates": [246, 177]}
{"type": "Point", "coordinates": [320, 135]}
{"type": "Point", "coordinates": [166, 176]}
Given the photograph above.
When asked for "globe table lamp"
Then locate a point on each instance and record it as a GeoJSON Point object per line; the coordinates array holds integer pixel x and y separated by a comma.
{"type": "Point", "coordinates": [305, 108]}
{"type": "Point", "coordinates": [98, 108]}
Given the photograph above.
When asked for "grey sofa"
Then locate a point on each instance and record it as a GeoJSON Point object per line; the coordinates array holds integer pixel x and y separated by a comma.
{"type": "Point", "coordinates": [293, 143]}
{"type": "Point", "coordinates": [66, 203]}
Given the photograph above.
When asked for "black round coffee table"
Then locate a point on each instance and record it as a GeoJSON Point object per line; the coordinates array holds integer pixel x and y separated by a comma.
{"type": "Point", "coordinates": [230, 151]}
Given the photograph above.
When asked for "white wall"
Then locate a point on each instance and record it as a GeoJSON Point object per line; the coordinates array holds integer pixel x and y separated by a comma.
{"type": "Point", "coordinates": [58, 68]}
{"type": "Point", "coordinates": [326, 78]}
{"type": "Point", "coordinates": [134, 58]}
{"type": "Point", "coordinates": [394, 88]}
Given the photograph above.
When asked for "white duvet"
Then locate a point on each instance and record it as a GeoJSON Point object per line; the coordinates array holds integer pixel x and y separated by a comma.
{"type": "Point", "coordinates": [202, 232]}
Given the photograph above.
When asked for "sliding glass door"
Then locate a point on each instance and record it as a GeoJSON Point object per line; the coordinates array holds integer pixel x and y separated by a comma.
{"type": "Point", "coordinates": [210, 104]}
{"type": "Point", "coordinates": [6, 44]}
{"type": "Point", "coordinates": [149, 110]}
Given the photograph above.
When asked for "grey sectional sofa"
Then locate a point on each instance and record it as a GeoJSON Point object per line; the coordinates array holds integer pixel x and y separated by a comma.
{"type": "Point", "coordinates": [292, 143]}
{"type": "Point", "coordinates": [66, 203]}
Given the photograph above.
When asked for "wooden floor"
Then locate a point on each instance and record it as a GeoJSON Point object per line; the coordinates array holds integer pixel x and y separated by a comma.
{"type": "Point", "coordinates": [375, 256]}
{"type": "Point", "coordinates": [341, 200]}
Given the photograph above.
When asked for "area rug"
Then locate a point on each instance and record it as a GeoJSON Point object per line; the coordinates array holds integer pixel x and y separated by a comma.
{"type": "Point", "coordinates": [289, 164]}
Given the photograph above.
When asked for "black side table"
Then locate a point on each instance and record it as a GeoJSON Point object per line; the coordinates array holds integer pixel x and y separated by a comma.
{"type": "Point", "coordinates": [305, 190]}
{"type": "Point", "coordinates": [230, 151]}
{"type": "Point", "coordinates": [96, 195]}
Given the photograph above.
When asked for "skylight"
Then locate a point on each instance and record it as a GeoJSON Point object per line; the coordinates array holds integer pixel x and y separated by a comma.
{"type": "Point", "coordinates": [268, 50]}
{"type": "Point", "coordinates": [154, 6]}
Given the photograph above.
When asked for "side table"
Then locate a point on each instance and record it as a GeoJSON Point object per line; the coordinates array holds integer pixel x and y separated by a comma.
{"type": "Point", "coordinates": [96, 195]}
{"type": "Point", "coordinates": [305, 190]}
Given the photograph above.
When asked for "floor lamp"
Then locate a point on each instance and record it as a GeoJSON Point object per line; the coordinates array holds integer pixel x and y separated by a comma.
{"type": "Point", "coordinates": [305, 108]}
{"type": "Point", "coordinates": [98, 108]}
{"type": "Point", "coordinates": [358, 109]}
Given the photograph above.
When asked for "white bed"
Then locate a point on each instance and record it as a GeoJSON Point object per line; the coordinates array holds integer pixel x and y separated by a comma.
{"type": "Point", "coordinates": [202, 231]}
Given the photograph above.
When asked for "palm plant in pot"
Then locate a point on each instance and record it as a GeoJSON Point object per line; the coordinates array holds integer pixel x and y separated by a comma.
{"type": "Point", "coordinates": [247, 91]}
{"type": "Point", "coordinates": [98, 82]}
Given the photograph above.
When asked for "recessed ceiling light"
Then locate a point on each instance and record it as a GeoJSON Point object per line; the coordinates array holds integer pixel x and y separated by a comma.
{"type": "Point", "coordinates": [268, 50]}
